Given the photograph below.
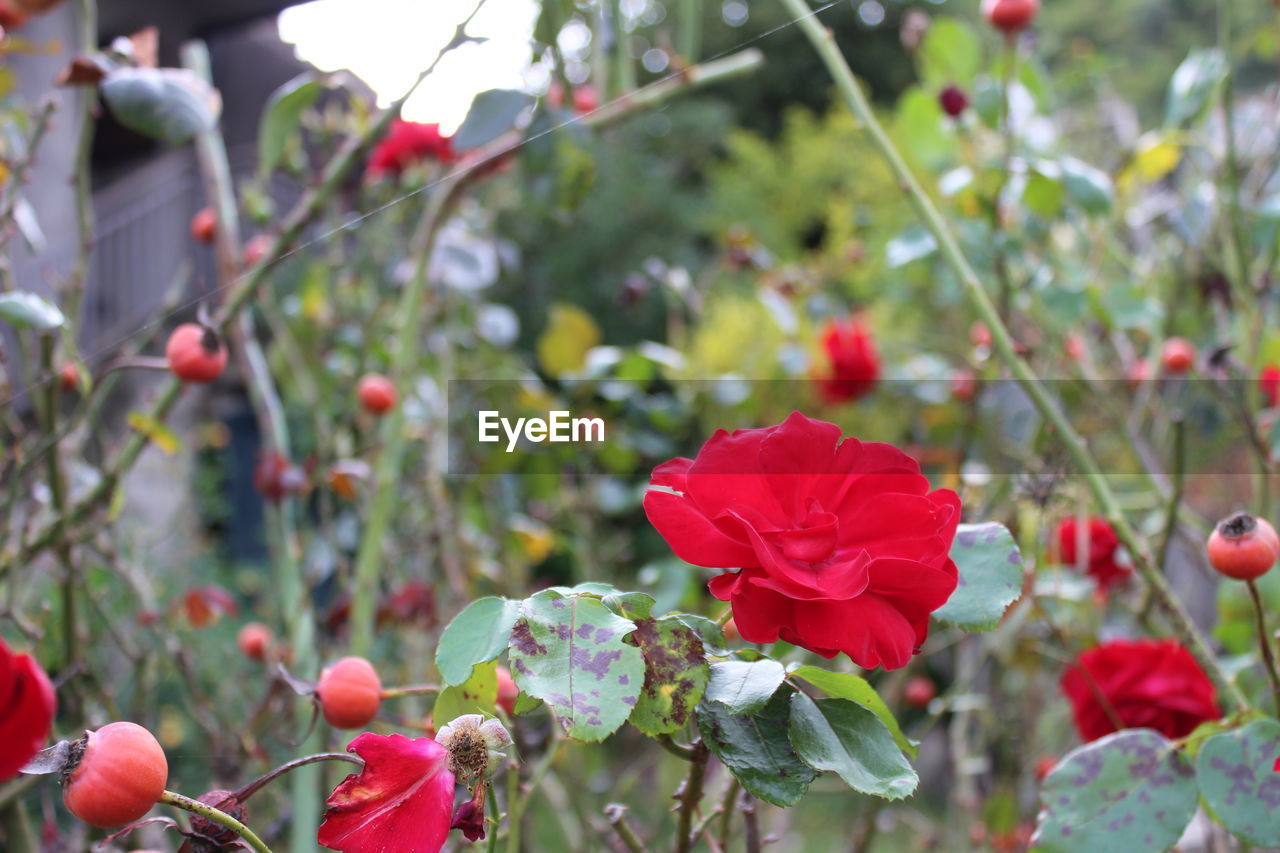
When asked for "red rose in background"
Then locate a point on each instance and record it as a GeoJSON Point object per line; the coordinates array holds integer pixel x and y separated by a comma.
{"type": "Point", "coordinates": [409, 142]}
{"type": "Point", "coordinates": [402, 799]}
{"type": "Point", "coordinates": [1153, 684]}
{"type": "Point", "coordinates": [1103, 544]}
{"type": "Point", "coordinates": [1269, 383]}
{"type": "Point", "coordinates": [841, 545]}
{"type": "Point", "coordinates": [27, 704]}
{"type": "Point", "coordinates": [853, 366]}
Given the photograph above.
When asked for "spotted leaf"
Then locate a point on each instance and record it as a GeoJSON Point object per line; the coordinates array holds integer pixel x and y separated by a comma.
{"type": "Point", "coordinates": [1236, 772]}
{"type": "Point", "coordinates": [675, 675]}
{"type": "Point", "coordinates": [1132, 791]}
{"type": "Point", "coordinates": [568, 651]}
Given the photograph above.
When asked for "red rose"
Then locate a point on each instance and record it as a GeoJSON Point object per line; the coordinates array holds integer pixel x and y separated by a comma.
{"type": "Point", "coordinates": [409, 142]}
{"type": "Point", "coordinates": [1103, 544]}
{"type": "Point", "coordinates": [1153, 684]}
{"type": "Point", "coordinates": [1269, 383]}
{"type": "Point", "coordinates": [841, 545]}
{"type": "Point", "coordinates": [27, 704]}
{"type": "Point", "coordinates": [852, 363]}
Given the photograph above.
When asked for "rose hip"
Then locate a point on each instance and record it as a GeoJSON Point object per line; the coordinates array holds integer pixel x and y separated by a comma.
{"type": "Point", "coordinates": [1243, 547]}
{"type": "Point", "coordinates": [118, 776]}
{"type": "Point", "coordinates": [195, 353]}
{"type": "Point", "coordinates": [376, 393]}
{"type": "Point", "coordinates": [350, 693]}
{"type": "Point", "coordinates": [1010, 16]}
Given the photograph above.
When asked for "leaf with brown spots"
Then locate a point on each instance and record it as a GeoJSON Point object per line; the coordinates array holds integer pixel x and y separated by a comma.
{"type": "Point", "coordinates": [568, 651]}
{"type": "Point", "coordinates": [675, 675]}
{"type": "Point", "coordinates": [1132, 791]}
{"type": "Point", "coordinates": [1237, 780]}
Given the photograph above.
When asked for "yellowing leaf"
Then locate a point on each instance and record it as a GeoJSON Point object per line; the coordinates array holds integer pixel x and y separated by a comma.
{"type": "Point", "coordinates": [1156, 158]}
{"type": "Point", "coordinates": [570, 334]}
{"type": "Point", "coordinates": [157, 433]}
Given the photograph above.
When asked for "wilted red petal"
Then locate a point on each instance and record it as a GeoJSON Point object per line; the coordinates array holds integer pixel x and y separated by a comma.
{"type": "Point", "coordinates": [27, 705]}
{"type": "Point", "coordinates": [402, 800]}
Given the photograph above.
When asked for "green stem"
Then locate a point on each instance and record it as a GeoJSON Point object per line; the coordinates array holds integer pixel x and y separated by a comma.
{"type": "Point", "coordinates": [690, 30]}
{"type": "Point", "coordinates": [1264, 641]}
{"type": "Point", "coordinates": [824, 43]}
{"type": "Point", "coordinates": [616, 814]}
{"type": "Point", "coordinates": [219, 817]}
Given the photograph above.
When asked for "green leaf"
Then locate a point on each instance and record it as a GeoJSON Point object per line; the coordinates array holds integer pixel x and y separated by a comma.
{"type": "Point", "coordinates": [1234, 771]}
{"type": "Point", "coordinates": [478, 695]}
{"type": "Point", "coordinates": [25, 310]}
{"type": "Point", "coordinates": [1043, 194]}
{"type": "Point", "coordinates": [744, 687]}
{"type": "Point", "coordinates": [675, 675]}
{"type": "Point", "coordinates": [756, 748]}
{"type": "Point", "coordinates": [950, 53]}
{"type": "Point", "coordinates": [526, 703]}
{"type": "Point", "coordinates": [1192, 85]}
{"type": "Point", "coordinates": [478, 634]}
{"type": "Point", "coordinates": [280, 119]}
{"type": "Point", "coordinates": [847, 739]}
{"type": "Point", "coordinates": [712, 634]}
{"type": "Point", "coordinates": [630, 605]}
{"type": "Point", "coordinates": [568, 651]}
{"type": "Point", "coordinates": [1087, 186]}
{"type": "Point", "coordinates": [1132, 791]}
{"type": "Point", "coordinates": [990, 568]}
{"type": "Point", "coordinates": [492, 114]}
{"type": "Point", "coordinates": [846, 685]}
{"type": "Point", "coordinates": [171, 104]}
{"type": "Point", "coordinates": [921, 129]}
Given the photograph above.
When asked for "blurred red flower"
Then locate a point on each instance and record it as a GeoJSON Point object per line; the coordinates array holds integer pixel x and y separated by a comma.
{"type": "Point", "coordinates": [27, 705]}
{"type": "Point", "coordinates": [1103, 544]}
{"type": "Point", "coordinates": [841, 545]}
{"type": "Point", "coordinates": [409, 142]}
{"type": "Point", "coordinates": [1269, 383]}
{"type": "Point", "coordinates": [853, 365]}
{"type": "Point", "coordinates": [402, 799]}
{"type": "Point", "coordinates": [1154, 684]}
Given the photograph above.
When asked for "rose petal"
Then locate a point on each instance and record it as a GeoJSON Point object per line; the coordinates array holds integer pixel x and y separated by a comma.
{"type": "Point", "coordinates": [401, 800]}
{"type": "Point", "coordinates": [27, 706]}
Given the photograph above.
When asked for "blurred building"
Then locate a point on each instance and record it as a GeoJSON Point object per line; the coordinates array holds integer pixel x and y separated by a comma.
{"type": "Point", "coordinates": [144, 192]}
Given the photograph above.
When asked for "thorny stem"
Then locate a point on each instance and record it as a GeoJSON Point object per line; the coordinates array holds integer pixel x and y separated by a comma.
{"type": "Point", "coordinates": [690, 796]}
{"type": "Point", "coordinates": [1175, 496]}
{"type": "Point", "coordinates": [272, 423]}
{"type": "Point", "coordinates": [410, 690]}
{"type": "Point", "coordinates": [257, 784]}
{"type": "Point", "coordinates": [751, 822]}
{"type": "Point", "coordinates": [823, 42]}
{"type": "Point", "coordinates": [219, 817]}
{"type": "Point", "coordinates": [408, 314]}
{"type": "Point", "coordinates": [616, 814]}
{"type": "Point", "coordinates": [1268, 655]}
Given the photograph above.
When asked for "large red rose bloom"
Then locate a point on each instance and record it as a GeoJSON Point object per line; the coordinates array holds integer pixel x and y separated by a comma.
{"type": "Point", "coordinates": [1152, 684]}
{"type": "Point", "coordinates": [841, 545]}
{"type": "Point", "coordinates": [1103, 545]}
{"type": "Point", "coordinates": [27, 705]}
{"type": "Point", "coordinates": [409, 142]}
{"type": "Point", "coordinates": [853, 366]}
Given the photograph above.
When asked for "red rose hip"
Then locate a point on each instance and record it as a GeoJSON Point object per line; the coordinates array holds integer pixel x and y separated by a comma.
{"type": "Point", "coordinates": [1177, 355]}
{"type": "Point", "coordinates": [204, 225]}
{"type": "Point", "coordinates": [1243, 547]}
{"type": "Point", "coordinates": [255, 640]}
{"type": "Point", "coordinates": [376, 393]}
{"type": "Point", "coordinates": [919, 692]}
{"type": "Point", "coordinates": [350, 693]}
{"type": "Point", "coordinates": [507, 691]}
{"type": "Point", "coordinates": [1010, 16]}
{"type": "Point", "coordinates": [195, 353]}
{"type": "Point", "coordinates": [120, 774]}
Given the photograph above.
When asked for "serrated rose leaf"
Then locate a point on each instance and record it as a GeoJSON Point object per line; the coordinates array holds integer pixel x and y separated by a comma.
{"type": "Point", "coordinates": [1231, 769]}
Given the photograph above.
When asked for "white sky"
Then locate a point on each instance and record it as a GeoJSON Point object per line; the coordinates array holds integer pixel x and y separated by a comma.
{"type": "Point", "coordinates": [387, 43]}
